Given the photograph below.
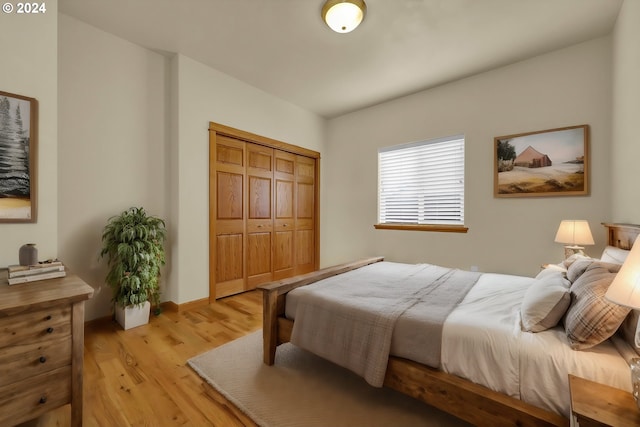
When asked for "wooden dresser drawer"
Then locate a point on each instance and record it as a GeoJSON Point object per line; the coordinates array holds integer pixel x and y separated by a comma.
{"type": "Point", "coordinates": [41, 347]}
{"type": "Point", "coordinates": [27, 360]}
{"type": "Point", "coordinates": [48, 324]}
{"type": "Point", "coordinates": [34, 396]}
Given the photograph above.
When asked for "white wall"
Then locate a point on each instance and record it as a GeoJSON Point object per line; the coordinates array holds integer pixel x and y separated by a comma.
{"type": "Point", "coordinates": [204, 95]}
{"type": "Point", "coordinates": [134, 132]}
{"type": "Point", "coordinates": [626, 113]}
{"type": "Point", "coordinates": [563, 88]}
{"type": "Point", "coordinates": [113, 131]}
{"type": "Point", "coordinates": [30, 68]}
{"type": "Point", "coordinates": [568, 87]}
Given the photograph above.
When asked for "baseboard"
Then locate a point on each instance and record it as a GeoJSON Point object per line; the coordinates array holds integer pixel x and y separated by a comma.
{"type": "Point", "coordinates": [172, 306]}
{"type": "Point", "coordinates": [99, 319]}
{"type": "Point", "coordinates": [169, 306]}
{"type": "Point", "coordinates": [165, 306]}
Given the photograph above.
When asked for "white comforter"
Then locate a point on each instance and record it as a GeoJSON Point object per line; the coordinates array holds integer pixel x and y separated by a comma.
{"type": "Point", "coordinates": [482, 342]}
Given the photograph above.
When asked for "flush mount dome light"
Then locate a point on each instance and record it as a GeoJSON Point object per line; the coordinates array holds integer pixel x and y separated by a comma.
{"type": "Point", "coordinates": [343, 16]}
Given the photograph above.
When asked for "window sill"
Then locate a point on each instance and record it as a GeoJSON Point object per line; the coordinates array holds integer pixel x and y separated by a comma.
{"type": "Point", "coordinates": [423, 227]}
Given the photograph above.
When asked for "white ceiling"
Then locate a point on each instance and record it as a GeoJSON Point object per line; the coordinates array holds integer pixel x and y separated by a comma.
{"type": "Point", "coordinates": [403, 46]}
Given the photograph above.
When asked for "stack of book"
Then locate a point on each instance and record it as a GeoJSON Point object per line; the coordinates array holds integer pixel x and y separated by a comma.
{"type": "Point", "coordinates": [32, 273]}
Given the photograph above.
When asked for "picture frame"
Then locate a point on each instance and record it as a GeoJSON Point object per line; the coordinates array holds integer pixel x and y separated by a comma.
{"type": "Point", "coordinates": [552, 162]}
{"type": "Point", "coordinates": [18, 158]}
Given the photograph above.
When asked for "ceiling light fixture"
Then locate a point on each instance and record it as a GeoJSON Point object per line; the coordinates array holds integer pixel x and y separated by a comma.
{"type": "Point", "coordinates": [343, 16]}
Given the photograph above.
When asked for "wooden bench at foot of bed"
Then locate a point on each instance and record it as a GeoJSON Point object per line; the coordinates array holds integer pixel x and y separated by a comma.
{"type": "Point", "coordinates": [468, 401]}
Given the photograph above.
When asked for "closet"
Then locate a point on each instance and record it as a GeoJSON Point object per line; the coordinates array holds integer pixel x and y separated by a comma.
{"type": "Point", "coordinates": [263, 210]}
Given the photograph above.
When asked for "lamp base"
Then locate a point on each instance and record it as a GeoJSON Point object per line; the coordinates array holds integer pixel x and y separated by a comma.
{"type": "Point", "coordinates": [570, 250]}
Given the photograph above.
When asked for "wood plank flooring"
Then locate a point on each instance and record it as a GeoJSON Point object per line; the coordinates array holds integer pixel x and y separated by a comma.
{"type": "Point", "coordinates": [140, 377]}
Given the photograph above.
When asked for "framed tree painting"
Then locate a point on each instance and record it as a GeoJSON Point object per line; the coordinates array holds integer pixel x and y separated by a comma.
{"type": "Point", "coordinates": [18, 155]}
{"type": "Point", "coordinates": [552, 162]}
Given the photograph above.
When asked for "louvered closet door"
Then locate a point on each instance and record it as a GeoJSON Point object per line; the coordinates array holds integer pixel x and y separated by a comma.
{"type": "Point", "coordinates": [284, 224]}
{"type": "Point", "coordinates": [305, 196]}
{"type": "Point", "coordinates": [227, 254]}
{"type": "Point", "coordinates": [259, 214]}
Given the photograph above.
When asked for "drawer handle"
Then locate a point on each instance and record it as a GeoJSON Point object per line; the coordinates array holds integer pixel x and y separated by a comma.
{"type": "Point", "coordinates": [43, 400]}
{"type": "Point", "coordinates": [49, 330]}
{"type": "Point", "coordinates": [42, 359]}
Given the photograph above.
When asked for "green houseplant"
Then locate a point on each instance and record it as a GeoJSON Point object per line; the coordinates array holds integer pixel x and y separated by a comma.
{"type": "Point", "coordinates": [133, 244]}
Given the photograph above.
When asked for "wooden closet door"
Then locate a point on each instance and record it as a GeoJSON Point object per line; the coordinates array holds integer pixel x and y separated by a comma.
{"type": "Point", "coordinates": [305, 244]}
{"type": "Point", "coordinates": [259, 214]}
{"type": "Point", "coordinates": [227, 252]}
{"type": "Point", "coordinates": [284, 221]}
{"type": "Point", "coordinates": [263, 210]}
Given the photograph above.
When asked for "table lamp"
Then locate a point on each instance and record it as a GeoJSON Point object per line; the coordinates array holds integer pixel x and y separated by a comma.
{"type": "Point", "coordinates": [625, 291]}
{"type": "Point", "coordinates": [573, 233]}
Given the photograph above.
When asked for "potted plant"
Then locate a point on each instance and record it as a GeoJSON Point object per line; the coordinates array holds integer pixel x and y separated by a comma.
{"type": "Point", "coordinates": [133, 244]}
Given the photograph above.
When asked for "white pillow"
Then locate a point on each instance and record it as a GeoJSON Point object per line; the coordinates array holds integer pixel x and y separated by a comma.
{"type": "Point", "coordinates": [551, 269]}
{"type": "Point", "coordinates": [545, 302]}
{"type": "Point", "coordinates": [614, 255]}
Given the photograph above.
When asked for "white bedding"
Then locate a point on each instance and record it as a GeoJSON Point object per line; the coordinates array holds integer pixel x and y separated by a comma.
{"type": "Point", "coordinates": [482, 342]}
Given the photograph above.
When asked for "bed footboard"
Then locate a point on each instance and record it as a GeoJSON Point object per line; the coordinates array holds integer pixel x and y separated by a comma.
{"type": "Point", "coordinates": [273, 303]}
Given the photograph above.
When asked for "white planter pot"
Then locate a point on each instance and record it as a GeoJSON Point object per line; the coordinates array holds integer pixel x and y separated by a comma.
{"type": "Point", "coordinates": [132, 316]}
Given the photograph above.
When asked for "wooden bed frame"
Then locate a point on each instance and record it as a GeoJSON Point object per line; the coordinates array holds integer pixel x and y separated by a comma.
{"type": "Point", "coordinates": [461, 398]}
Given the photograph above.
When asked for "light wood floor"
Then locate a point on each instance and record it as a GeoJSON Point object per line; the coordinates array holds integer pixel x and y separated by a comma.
{"type": "Point", "coordinates": [139, 377]}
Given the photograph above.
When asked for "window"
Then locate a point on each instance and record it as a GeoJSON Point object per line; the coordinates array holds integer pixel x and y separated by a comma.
{"type": "Point", "coordinates": [421, 185]}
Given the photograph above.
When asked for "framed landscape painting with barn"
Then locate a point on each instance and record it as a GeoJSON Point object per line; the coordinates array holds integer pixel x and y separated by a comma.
{"type": "Point", "coordinates": [550, 162]}
{"type": "Point", "coordinates": [18, 143]}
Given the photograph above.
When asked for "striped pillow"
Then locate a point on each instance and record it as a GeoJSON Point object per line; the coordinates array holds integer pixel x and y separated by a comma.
{"type": "Point", "coordinates": [590, 318]}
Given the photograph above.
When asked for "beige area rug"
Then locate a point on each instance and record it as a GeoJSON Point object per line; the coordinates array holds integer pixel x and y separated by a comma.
{"type": "Point", "coordinates": [303, 390]}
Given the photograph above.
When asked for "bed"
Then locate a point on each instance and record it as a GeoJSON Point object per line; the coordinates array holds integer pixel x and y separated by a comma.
{"type": "Point", "coordinates": [486, 389]}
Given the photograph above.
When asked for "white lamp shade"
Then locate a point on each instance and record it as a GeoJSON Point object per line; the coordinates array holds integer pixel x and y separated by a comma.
{"type": "Point", "coordinates": [625, 288]}
{"type": "Point", "coordinates": [574, 232]}
{"type": "Point", "coordinates": [343, 16]}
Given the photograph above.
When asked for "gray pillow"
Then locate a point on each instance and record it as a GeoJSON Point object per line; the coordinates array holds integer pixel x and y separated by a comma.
{"type": "Point", "coordinates": [545, 302]}
{"type": "Point", "coordinates": [630, 331]}
{"type": "Point", "coordinates": [577, 268]}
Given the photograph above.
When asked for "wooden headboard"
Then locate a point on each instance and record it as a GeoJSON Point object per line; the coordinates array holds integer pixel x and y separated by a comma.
{"type": "Point", "coordinates": [622, 235]}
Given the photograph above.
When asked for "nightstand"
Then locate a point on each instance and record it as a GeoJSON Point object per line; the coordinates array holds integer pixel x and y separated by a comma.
{"type": "Point", "coordinates": [598, 405]}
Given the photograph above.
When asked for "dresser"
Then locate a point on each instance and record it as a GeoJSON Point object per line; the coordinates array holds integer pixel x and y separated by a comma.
{"type": "Point", "coordinates": [41, 347]}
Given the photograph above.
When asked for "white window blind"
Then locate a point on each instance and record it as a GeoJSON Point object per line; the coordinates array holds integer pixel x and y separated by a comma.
{"type": "Point", "coordinates": [422, 183]}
